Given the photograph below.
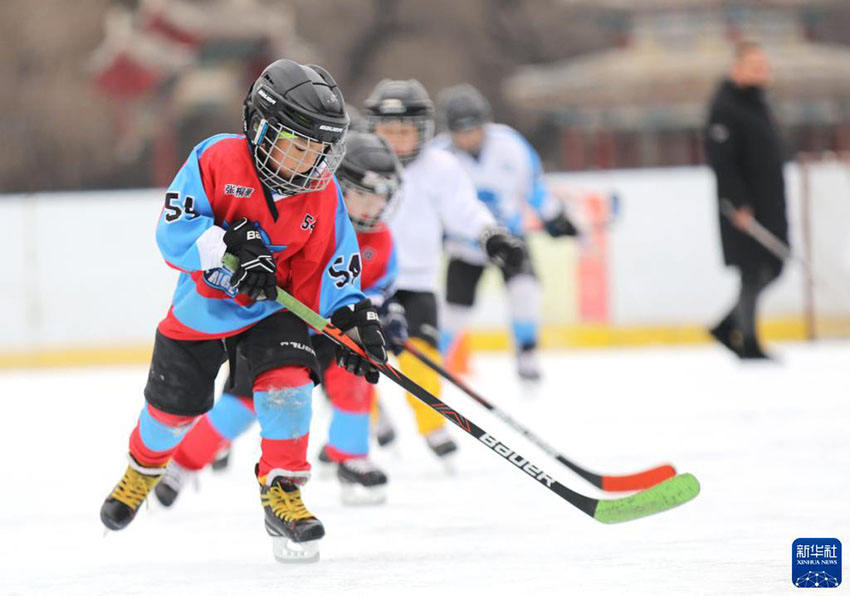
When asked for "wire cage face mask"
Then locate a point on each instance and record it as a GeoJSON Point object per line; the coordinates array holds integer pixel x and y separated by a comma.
{"type": "Point", "coordinates": [424, 132]}
{"type": "Point", "coordinates": [290, 163]}
{"type": "Point", "coordinates": [366, 195]}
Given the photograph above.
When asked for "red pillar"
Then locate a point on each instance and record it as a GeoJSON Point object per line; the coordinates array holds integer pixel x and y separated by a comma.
{"type": "Point", "coordinates": [164, 150]}
{"type": "Point", "coordinates": [573, 156]}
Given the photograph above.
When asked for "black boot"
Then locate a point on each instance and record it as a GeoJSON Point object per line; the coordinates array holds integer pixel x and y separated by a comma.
{"type": "Point", "coordinates": [382, 427]}
{"type": "Point", "coordinates": [222, 460]}
{"type": "Point", "coordinates": [122, 504]}
{"type": "Point", "coordinates": [440, 442]}
{"type": "Point", "coordinates": [751, 350]}
{"type": "Point", "coordinates": [729, 335]}
{"type": "Point", "coordinates": [173, 481]}
{"type": "Point", "coordinates": [363, 483]}
{"type": "Point", "coordinates": [294, 530]}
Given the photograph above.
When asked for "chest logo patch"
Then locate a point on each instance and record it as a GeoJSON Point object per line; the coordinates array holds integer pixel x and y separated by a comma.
{"type": "Point", "coordinates": [718, 133]}
{"type": "Point", "coordinates": [220, 280]}
{"type": "Point", "coordinates": [240, 192]}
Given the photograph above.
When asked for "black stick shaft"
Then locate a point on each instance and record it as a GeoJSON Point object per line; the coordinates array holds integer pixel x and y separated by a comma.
{"type": "Point", "coordinates": [594, 479]}
{"type": "Point", "coordinates": [586, 504]}
{"type": "Point", "coordinates": [653, 500]}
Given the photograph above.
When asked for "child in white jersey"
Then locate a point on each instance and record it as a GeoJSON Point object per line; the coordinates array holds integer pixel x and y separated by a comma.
{"type": "Point", "coordinates": [437, 198]}
{"type": "Point", "coordinates": [507, 175]}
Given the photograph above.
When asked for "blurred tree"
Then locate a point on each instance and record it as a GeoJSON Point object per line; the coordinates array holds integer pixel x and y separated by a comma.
{"type": "Point", "coordinates": [53, 129]}
{"type": "Point", "coordinates": [57, 132]}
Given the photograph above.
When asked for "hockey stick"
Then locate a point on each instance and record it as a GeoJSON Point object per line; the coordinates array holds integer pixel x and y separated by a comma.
{"type": "Point", "coordinates": [778, 248]}
{"type": "Point", "coordinates": [606, 482]}
{"type": "Point", "coordinates": [670, 493]}
{"type": "Point", "coordinates": [762, 235]}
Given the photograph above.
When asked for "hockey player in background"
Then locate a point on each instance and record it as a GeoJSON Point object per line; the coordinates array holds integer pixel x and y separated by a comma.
{"type": "Point", "coordinates": [437, 198]}
{"type": "Point", "coordinates": [369, 176]}
{"type": "Point", "coordinates": [507, 175]}
{"type": "Point", "coordinates": [267, 196]}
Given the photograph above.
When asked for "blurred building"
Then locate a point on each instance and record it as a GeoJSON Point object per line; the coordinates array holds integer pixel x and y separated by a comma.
{"type": "Point", "coordinates": [178, 70]}
{"type": "Point", "coordinates": [643, 103]}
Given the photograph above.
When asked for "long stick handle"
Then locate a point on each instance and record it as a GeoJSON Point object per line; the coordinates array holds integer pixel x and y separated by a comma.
{"type": "Point", "coordinates": [762, 235]}
{"type": "Point", "coordinates": [668, 494]}
{"type": "Point", "coordinates": [780, 249]}
{"type": "Point", "coordinates": [612, 483]}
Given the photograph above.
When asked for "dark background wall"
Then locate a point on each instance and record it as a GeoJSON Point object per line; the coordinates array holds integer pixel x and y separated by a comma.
{"type": "Point", "coordinates": [57, 131]}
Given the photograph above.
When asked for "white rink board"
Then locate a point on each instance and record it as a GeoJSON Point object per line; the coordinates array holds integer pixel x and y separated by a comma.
{"type": "Point", "coordinates": [666, 264]}
{"type": "Point", "coordinates": [769, 444]}
{"type": "Point", "coordinates": [89, 272]}
{"type": "Point", "coordinates": [92, 272]}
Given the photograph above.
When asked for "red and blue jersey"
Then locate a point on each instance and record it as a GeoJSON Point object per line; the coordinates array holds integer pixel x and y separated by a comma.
{"type": "Point", "coordinates": [380, 264]}
{"type": "Point", "coordinates": [312, 240]}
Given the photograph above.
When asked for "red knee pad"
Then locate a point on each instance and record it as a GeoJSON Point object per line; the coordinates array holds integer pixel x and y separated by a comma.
{"type": "Point", "coordinates": [167, 419]}
{"type": "Point", "coordinates": [348, 392]}
{"type": "Point", "coordinates": [285, 376]}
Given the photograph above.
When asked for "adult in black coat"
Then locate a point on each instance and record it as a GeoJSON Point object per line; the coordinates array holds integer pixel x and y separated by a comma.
{"type": "Point", "coordinates": [745, 151]}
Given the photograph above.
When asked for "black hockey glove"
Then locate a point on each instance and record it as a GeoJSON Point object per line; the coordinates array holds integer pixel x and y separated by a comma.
{"type": "Point", "coordinates": [560, 225]}
{"type": "Point", "coordinates": [361, 322]}
{"type": "Point", "coordinates": [504, 249]}
{"type": "Point", "coordinates": [255, 275]}
{"type": "Point", "coordinates": [395, 325]}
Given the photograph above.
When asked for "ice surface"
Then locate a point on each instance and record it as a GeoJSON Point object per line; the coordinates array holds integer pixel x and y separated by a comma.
{"type": "Point", "coordinates": [769, 443]}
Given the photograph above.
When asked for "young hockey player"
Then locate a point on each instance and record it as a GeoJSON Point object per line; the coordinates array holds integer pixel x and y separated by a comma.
{"type": "Point", "coordinates": [268, 197]}
{"type": "Point", "coordinates": [507, 175]}
{"type": "Point", "coordinates": [369, 176]}
{"type": "Point", "coordinates": [438, 198]}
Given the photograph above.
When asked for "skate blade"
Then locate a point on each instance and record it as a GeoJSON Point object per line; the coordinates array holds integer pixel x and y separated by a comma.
{"type": "Point", "coordinates": [449, 463]}
{"type": "Point", "coordinates": [393, 450]}
{"type": "Point", "coordinates": [287, 551]}
{"type": "Point", "coordinates": [531, 388]}
{"type": "Point", "coordinates": [357, 495]}
{"type": "Point", "coordinates": [325, 470]}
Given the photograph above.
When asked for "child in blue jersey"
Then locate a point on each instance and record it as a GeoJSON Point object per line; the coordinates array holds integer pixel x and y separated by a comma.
{"type": "Point", "coordinates": [268, 197]}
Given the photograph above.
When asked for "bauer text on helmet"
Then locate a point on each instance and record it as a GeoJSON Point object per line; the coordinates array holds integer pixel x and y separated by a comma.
{"type": "Point", "coordinates": [295, 120]}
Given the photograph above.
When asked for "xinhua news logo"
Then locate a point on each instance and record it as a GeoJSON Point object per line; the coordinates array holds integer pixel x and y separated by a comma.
{"type": "Point", "coordinates": [816, 562]}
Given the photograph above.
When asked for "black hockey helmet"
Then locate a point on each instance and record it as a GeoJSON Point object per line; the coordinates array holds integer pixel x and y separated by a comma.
{"type": "Point", "coordinates": [357, 121]}
{"type": "Point", "coordinates": [303, 104]}
{"type": "Point", "coordinates": [463, 107]}
{"type": "Point", "coordinates": [402, 100]}
{"type": "Point", "coordinates": [370, 167]}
